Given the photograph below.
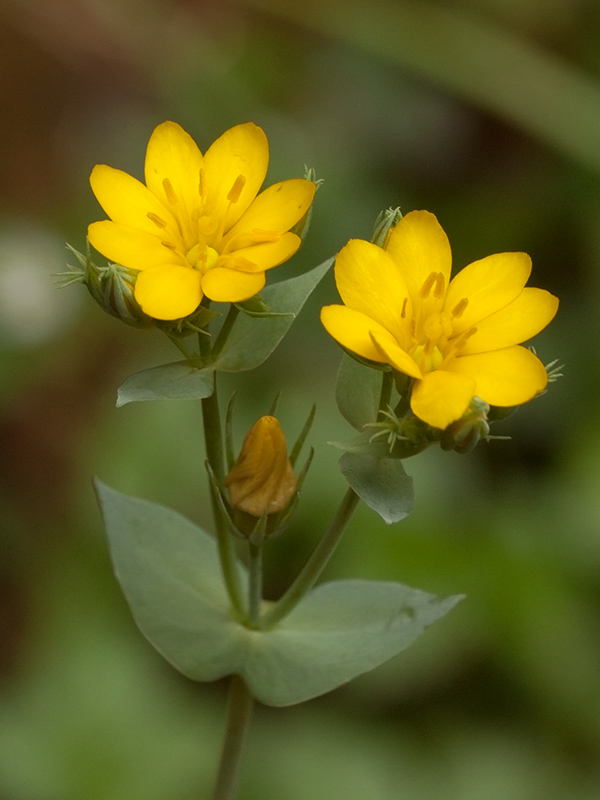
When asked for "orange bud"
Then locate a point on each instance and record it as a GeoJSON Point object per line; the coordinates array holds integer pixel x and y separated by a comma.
{"type": "Point", "coordinates": [262, 479]}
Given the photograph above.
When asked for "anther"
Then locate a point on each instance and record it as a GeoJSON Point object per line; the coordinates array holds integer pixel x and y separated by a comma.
{"type": "Point", "coordinates": [428, 284]}
{"type": "Point", "coordinates": [403, 312]}
{"type": "Point", "coordinates": [460, 307]}
{"type": "Point", "coordinates": [236, 189]}
{"type": "Point", "coordinates": [169, 191]}
{"type": "Point", "coordinates": [202, 184]}
{"type": "Point", "coordinates": [440, 286]}
{"type": "Point", "coordinates": [463, 338]}
{"type": "Point", "coordinates": [261, 236]}
{"type": "Point", "coordinates": [158, 221]}
{"type": "Point", "coordinates": [170, 246]}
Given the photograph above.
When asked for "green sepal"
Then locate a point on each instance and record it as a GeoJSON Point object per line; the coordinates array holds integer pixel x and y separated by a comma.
{"type": "Point", "coordinates": [255, 307]}
{"type": "Point", "coordinates": [169, 571]}
{"type": "Point", "coordinates": [253, 339]}
{"type": "Point", "coordinates": [381, 482]}
{"type": "Point", "coordinates": [177, 381]}
{"type": "Point", "coordinates": [357, 392]}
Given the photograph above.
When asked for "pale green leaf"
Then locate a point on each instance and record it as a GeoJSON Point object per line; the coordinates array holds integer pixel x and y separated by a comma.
{"type": "Point", "coordinates": [381, 482]}
{"type": "Point", "coordinates": [357, 392]}
{"type": "Point", "coordinates": [177, 381]}
{"type": "Point", "coordinates": [340, 630]}
{"type": "Point", "coordinates": [253, 339]}
{"type": "Point", "coordinates": [169, 571]}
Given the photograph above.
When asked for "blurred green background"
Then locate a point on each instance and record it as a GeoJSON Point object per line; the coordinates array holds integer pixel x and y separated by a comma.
{"type": "Point", "coordinates": [486, 112]}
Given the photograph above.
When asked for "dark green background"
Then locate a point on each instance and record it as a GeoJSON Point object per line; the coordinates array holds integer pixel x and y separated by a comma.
{"type": "Point", "coordinates": [486, 112]}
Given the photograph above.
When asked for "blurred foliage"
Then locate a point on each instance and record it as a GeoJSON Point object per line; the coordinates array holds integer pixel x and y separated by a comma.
{"type": "Point", "coordinates": [486, 112]}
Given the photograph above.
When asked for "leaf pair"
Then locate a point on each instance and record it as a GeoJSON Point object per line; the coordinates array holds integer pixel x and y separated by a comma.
{"type": "Point", "coordinates": [169, 571]}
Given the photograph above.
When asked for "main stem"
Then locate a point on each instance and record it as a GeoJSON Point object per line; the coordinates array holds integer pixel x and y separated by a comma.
{"type": "Point", "coordinates": [213, 441]}
{"type": "Point", "coordinates": [239, 712]}
{"type": "Point", "coordinates": [315, 564]}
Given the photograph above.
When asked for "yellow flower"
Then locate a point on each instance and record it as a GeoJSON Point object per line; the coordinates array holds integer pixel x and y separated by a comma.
{"type": "Point", "coordinates": [198, 227]}
{"type": "Point", "coordinates": [458, 338]}
{"type": "Point", "coordinates": [262, 479]}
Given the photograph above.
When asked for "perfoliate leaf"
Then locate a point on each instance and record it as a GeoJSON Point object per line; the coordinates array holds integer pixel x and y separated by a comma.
{"type": "Point", "coordinates": [253, 339]}
{"type": "Point", "coordinates": [381, 482]}
{"type": "Point", "coordinates": [337, 632]}
{"type": "Point", "coordinates": [169, 571]}
{"type": "Point", "coordinates": [177, 381]}
{"type": "Point", "coordinates": [357, 392]}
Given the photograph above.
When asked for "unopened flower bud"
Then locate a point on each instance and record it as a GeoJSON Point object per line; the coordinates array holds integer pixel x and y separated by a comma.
{"type": "Point", "coordinates": [384, 225]}
{"type": "Point", "coordinates": [262, 479]}
{"type": "Point", "coordinates": [111, 287]}
{"type": "Point", "coordinates": [465, 434]}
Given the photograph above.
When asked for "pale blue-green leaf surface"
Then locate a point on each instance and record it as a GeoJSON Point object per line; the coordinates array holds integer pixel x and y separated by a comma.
{"type": "Point", "coordinates": [177, 381]}
{"type": "Point", "coordinates": [169, 571]}
{"type": "Point", "coordinates": [381, 482]}
{"type": "Point", "coordinates": [357, 392]}
{"type": "Point", "coordinates": [253, 339]}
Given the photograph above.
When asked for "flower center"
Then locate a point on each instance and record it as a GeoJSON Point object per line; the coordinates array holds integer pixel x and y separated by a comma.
{"type": "Point", "coordinates": [202, 257]}
{"type": "Point", "coordinates": [428, 357]}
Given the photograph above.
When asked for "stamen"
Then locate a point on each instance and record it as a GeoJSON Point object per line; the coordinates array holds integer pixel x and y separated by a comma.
{"type": "Point", "coordinates": [170, 192]}
{"type": "Point", "coordinates": [244, 265]}
{"type": "Point", "coordinates": [464, 337]}
{"type": "Point", "coordinates": [261, 236]}
{"type": "Point", "coordinates": [403, 312]}
{"type": "Point", "coordinates": [459, 308]}
{"type": "Point", "coordinates": [158, 221]}
{"type": "Point", "coordinates": [440, 286]}
{"type": "Point", "coordinates": [170, 246]}
{"type": "Point", "coordinates": [428, 284]}
{"type": "Point", "coordinates": [202, 184]}
{"type": "Point", "coordinates": [457, 344]}
{"type": "Point", "coordinates": [236, 189]}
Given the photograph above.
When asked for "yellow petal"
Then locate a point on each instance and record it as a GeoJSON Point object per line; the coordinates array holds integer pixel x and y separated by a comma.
{"type": "Point", "coordinates": [169, 291]}
{"type": "Point", "coordinates": [173, 155]}
{"type": "Point", "coordinates": [488, 285]}
{"type": "Point", "coordinates": [442, 397]}
{"type": "Point", "coordinates": [352, 329]}
{"type": "Point", "coordinates": [506, 377]}
{"type": "Point", "coordinates": [394, 354]}
{"type": "Point", "coordinates": [269, 254]}
{"type": "Point", "coordinates": [419, 246]}
{"type": "Point", "coordinates": [242, 150]}
{"type": "Point", "coordinates": [127, 246]}
{"type": "Point", "coordinates": [230, 285]}
{"type": "Point", "coordinates": [129, 202]}
{"type": "Point", "coordinates": [368, 281]}
{"type": "Point", "coordinates": [277, 209]}
{"type": "Point", "coordinates": [515, 323]}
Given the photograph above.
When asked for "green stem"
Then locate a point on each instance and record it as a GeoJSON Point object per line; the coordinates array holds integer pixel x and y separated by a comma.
{"type": "Point", "coordinates": [387, 384]}
{"type": "Point", "coordinates": [315, 564]}
{"type": "Point", "coordinates": [255, 575]}
{"type": "Point", "coordinates": [213, 439]}
{"type": "Point", "coordinates": [239, 712]}
{"type": "Point", "coordinates": [231, 317]}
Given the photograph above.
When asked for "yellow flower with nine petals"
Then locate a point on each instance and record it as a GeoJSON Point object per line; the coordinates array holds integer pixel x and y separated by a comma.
{"type": "Point", "coordinates": [198, 227]}
{"type": "Point", "coordinates": [458, 338]}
